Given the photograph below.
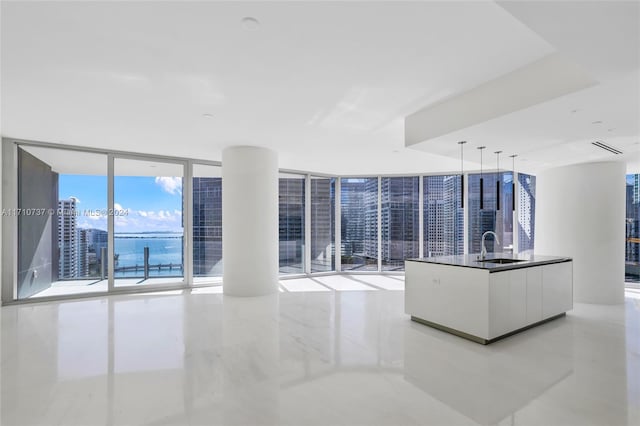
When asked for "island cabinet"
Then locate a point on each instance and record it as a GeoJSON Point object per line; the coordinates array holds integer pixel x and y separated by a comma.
{"type": "Point", "coordinates": [484, 302]}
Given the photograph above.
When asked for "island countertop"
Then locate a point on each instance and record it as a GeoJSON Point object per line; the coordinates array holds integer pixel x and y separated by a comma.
{"type": "Point", "coordinates": [471, 261]}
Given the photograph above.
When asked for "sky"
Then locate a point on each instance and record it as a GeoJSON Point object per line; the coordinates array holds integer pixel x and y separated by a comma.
{"type": "Point", "coordinates": [147, 204]}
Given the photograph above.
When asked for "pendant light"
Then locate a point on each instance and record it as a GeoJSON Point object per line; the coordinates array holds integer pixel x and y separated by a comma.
{"type": "Point", "coordinates": [498, 179]}
{"type": "Point", "coordinates": [481, 148]}
{"type": "Point", "coordinates": [513, 181]}
{"type": "Point", "coordinates": [461, 143]}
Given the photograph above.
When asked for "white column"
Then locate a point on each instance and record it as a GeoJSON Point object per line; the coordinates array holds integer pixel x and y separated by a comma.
{"type": "Point", "coordinates": [580, 213]}
{"type": "Point", "coordinates": [249, 221]}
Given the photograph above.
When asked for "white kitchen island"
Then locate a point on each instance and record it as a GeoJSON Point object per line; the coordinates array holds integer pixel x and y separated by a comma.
{"type": "Point", "coordinates": [485, 301]}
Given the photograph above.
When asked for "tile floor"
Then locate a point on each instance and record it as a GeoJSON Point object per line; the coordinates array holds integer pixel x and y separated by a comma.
{"type": "Point", "coordinates": [324, 351]}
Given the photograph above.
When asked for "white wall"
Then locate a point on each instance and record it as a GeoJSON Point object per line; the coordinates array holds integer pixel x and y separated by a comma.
{"type": "Point", "coordinates": [249, 221]}
{"type": "Point", "coordinates": [580, 213]}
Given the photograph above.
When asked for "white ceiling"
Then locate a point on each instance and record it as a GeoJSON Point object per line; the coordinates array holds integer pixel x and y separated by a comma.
{"type": "Point", "coordinates": [601, 38]}
{"type": "Point", "coordinates": [326, 84]}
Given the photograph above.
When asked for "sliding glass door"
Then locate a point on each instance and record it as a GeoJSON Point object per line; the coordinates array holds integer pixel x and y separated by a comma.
{"type": "Point", "coordinates": [148, 222]}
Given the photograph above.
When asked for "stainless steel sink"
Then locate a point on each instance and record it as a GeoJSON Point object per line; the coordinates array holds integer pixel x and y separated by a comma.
{"type": "Point", "coordinates": [502, 260]}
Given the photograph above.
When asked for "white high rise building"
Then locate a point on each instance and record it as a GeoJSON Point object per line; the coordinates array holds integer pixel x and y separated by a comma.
{"type": "Point", "coordinates": [67, 235]}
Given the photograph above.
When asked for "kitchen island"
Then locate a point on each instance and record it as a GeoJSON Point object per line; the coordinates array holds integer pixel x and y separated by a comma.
{"type": "Point", "coordinates": [487, 300]}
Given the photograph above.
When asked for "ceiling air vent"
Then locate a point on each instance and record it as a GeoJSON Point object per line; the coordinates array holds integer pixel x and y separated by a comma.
{"type": "Point", "coordinates": [604, 146]}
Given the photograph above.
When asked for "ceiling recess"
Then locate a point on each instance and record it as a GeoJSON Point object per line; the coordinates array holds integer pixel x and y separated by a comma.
{"type": "Point", "coordinates": [609, 148]}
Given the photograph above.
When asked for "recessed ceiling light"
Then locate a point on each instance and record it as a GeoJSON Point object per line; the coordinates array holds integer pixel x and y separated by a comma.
{"type": "Point", "coordinates": [250, 24]}
{"type": "Point", "coordinates": [396, 151]}
{"type": "Point", "coordinates": [596, 122]}
{"type": "Point", "coordinates": [610, 130]}
{"type": "Point", "coordinates": [207, 115]}
{"type": "Point", "coordinates": [574, 111]}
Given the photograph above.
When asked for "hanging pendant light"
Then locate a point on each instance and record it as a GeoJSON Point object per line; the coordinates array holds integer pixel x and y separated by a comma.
{"type": "Point", "coordinates": [461, 143]}
{"type": "Point", "coordinates": [498, 179]}
{"type": "Point", "coordinates": [513, 181]}
{"type": "Point", "coordinates": [481, 179]}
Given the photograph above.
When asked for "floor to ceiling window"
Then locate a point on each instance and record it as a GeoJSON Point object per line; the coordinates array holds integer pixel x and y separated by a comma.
{"type": "Point", "coordinates": [148, 222]}
{"type": "Point", "coordinates": [632, 229]}
{"type": "Point", "coordinates": [359, 224]}
{"type": "Point", "coordinates": [323, 224]}
{"type": "Point", "coordinates": [66, 250]}
{"type": "Point", "coordinates": [443, 216]}
{"type": "Point", "coordinates": [62, 222]}
{"type": "Point", "coordinates": [492, 213]}
{"type": "Point", "coordinates": [207, 222]}
{"type": "Point", "coordinates": [291, 199]}
{"type": "Point", "coordinates": [399, 221]}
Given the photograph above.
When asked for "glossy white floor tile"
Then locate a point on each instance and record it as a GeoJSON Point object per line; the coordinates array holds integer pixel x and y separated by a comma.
{"type": "Point", "coordinates": [307, 358]}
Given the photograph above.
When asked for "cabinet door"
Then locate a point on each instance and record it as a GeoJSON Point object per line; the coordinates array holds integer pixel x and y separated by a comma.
{"type": "Point", "coordinates": [534, 294]}
{"type": "Point", "coordinates": [499, 302]}
{"type": "Point", "coordinates": [507, 301]}
{"type": "Point", "coordinates": [557, 288]}
{"type": "Point", "coordinates": [517, 298]}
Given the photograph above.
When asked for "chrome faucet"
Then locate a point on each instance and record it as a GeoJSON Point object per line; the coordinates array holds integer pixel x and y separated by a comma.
{"type": "Point", "coordinates": [483, 252]}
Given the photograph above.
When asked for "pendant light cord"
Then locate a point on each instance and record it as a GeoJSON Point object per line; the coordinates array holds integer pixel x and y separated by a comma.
{"type": "Point", "coordinates": [461, 143]}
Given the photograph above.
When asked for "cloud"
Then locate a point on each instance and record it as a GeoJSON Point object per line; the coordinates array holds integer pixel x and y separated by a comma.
{"type": "Point", "coordinates": [172, 185]}
{"type": "Point", "coordinates": [148, 220]}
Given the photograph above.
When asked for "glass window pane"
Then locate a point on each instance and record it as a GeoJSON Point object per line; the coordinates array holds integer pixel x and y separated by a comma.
{"type": "Point", "coordinates": [632, 230]}
{"type": "Point", "coordinates": [489, 218]}
{"type": "Point", "coordinates": [399, 219]}
{"type": "Point", "coordinates": [148, 223]}
{"type": "Point", "coordinates": [359, 223]}
{"type": "Point", "coordinates": [291, 224]}
{"type": "Point", "coordinates": [526, 213]}
{"type": "Point", "coordinates": [443, 216]}
{"type": "Point", "coordinates": [322, 224]}
{"type": "Point", "coordinates": [62, 222]}
{"type": "Point", "coordinates": [207, 223]}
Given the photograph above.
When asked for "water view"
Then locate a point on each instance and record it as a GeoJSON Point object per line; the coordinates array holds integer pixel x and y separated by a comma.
{"type": "Point", "coordinates": [165, 253]}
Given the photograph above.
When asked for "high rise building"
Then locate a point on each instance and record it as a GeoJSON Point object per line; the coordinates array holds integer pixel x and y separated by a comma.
{"type": "Point", "coordinates": [352, 209]}
{"type": "Point", "coordinates": [443, 216]}
{"type": "Point", "coordinates": [207, 226]}
{"type": "Point", "coordinates": [322, 224]}
{"type": "Point", "coordinates": [632, 222]}
{"type": "Point", "coordinates": [636, 188]}
{"type": "Point", "coordinates": [291, 196]}
{"type": "Point", "coordinates": [453, 215]}
{"type": "Point", "coordinates": [399, 220]}
{"type": "Point", "coordinates": [82, 253]}
{"type": "Point", "coordinates": [67, 234]}
{"type": "Point", "coordinates": [370, 200]}
{"type": "Point", "coordinates": [526, 212]}
{"type": "Point", "coordinates": [97, 240]}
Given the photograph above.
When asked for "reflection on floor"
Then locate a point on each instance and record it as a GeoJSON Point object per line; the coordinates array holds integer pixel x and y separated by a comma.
{"type": "Point", "coordinates": [67, 287]}
{"type": "Point", "coordinates": [343, 283]}
{"type": "Point", "coordinates": [319, 357]}
{"type": "Point", "coordinates": [321, 283]}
